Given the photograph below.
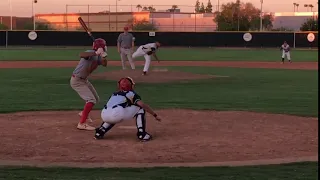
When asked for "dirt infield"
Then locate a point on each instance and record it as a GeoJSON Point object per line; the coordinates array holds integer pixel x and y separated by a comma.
{"type": "Point", "coordinates": [237, 64]}
{"type": "Point", "coordinates": [153, 76]}
{"type": "Point", "coordinates": [184, 136]}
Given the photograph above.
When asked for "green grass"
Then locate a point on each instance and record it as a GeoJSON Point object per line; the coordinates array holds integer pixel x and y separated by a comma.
{"type": "Point", "coordinates": [262, 90]}
{"type": "Point", "coordinates": [294, 171]}
{"type": "Point", "coordinates": [189, 54]}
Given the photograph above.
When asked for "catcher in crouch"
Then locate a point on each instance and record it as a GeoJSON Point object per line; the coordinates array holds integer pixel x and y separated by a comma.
{"type": "Point", "coordinates": [146, 51]}
{"type": "Point", "coordinates": [125, 104]}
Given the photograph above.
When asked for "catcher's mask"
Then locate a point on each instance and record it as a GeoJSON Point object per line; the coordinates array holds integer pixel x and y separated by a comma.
{"type": "Point", "coordinates": [126, 84]}
{"type": "Point", "coordinates": [99, 43]}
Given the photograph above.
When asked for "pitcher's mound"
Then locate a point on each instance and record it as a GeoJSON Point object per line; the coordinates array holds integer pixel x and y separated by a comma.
{"type": "Point", "coordinates": [154, 76]}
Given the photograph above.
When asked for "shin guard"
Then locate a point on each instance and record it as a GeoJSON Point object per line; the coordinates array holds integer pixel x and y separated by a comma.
{"type": "Point", "coordinates": [141, 126]}
{"type": "Point", "coordinates": [102, 130]}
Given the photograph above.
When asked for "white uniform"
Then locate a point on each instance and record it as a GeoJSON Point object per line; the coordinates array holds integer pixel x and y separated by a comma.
{"type": "Point", "coordinates": [142, 51]}
{"type": "Point", "coordinates": [121, 106]}
{"type": "Point", "coordinates": [286, 51]}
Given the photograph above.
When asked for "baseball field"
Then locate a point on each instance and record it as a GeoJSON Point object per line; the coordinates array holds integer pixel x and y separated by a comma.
{"type": "Point", "coordinates": [227, 114]}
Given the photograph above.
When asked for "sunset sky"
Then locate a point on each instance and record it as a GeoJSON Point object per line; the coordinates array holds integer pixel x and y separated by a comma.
{"type": "Point", "coordinates": [24, 7]}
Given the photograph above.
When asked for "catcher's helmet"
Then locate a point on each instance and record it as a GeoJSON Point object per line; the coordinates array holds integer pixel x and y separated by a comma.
{"type": "Point", "coordinates": [126, 84]}
{"type": "Point", "coordinates": [99, 43]}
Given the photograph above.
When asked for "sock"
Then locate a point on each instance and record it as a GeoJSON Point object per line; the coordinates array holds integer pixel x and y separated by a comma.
{"type": "Point", "coordinates": [86, 111]}
{"type": "Point", "coordinates": [282, 59]}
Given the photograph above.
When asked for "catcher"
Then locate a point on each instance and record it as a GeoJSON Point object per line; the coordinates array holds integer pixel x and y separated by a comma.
{"type": "Point", "coordinates": [147, 50]}
{"type": "Point", "coordinates": [125, 104]}
{"type": "Point", "coordinates": [285, 48]}
{"type": "Point", "coordinates": [89, 61]}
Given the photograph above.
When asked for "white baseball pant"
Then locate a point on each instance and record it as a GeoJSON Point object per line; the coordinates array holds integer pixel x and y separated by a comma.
{"type": "Point", "coordinates": [284, 54]}
{"type": "Point", "coordinates": [126, 54]}
{"type": "Point", "coordinates": [119, 114]}
{"type": "Point", "coordinates": [140, 52]}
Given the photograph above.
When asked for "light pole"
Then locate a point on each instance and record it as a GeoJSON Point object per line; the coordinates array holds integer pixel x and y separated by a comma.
{"type": "Point", "coordinates": [117, 14]}
{"type": "Point", "coordinates": [33, 15]}
{"type": "Point", "coordinates": [261, 1]}
{"type": "Point", "coordinates": [10, 7]}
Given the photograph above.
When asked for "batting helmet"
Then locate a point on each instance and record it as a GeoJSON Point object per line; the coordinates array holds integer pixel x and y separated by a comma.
{"type": "Point", "coordinates": [126, 84]}
{"type": "Point", "coordinates": [99, 43]}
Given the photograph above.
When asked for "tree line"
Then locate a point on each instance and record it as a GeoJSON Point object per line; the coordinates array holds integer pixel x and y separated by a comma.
{"type": "Point", "coordinates": [231, 16]}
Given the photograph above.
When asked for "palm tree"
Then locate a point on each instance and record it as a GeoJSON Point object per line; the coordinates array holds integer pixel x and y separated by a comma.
{"type": "Point", "coordinates": [138, 7]}
{"type": "Point", "coordinates": [174, 7]}
{"type": "Point", "coordinates": [306, 6]}
{"type": "Point", "coordinates": [151, 9]}
{"type": "Point", "coordinates": [311, 6]}
{"type": "Point", "coordinates": [297, 7]}
{"type": "Point", "coordinates": [145, 9]}
{"type": "Point", "coordinates": [294, 7]}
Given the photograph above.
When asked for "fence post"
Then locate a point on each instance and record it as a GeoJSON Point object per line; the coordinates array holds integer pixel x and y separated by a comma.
{"type": "Point", "coordinates": [67, 17]}
{"type": "Point", "coordinates": [195, 22]}
{"type": "Point", "coordinates": [173, 20]}
{"type": "Point", "coordinates": [88, 16]}
{"type": "Point", "coordinates": [109, 17]}
{"type": "Point", "coordinates": [294, 39]}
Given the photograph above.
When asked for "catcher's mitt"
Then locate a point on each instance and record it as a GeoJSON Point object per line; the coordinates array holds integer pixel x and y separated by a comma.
{"type": "Point", "coordinates": [149, 53]}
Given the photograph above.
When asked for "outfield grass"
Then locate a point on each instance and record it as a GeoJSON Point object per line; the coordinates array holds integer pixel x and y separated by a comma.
{"type": "Point", "coordinates": [262, 90]}
{"type": "Point", "coordinates": [188, 54]}
{"type": "Point", "coordinates": [294, 171]}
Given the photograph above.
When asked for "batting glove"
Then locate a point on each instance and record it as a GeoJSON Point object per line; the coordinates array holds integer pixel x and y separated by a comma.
{"type": "Point", "coordinates": [99, 51]}
{"type": "Point", "coordinates": [104, 54]}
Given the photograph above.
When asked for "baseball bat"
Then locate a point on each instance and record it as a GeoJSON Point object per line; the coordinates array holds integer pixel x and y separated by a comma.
{"type": "Point", "coordinates": [85, 27]}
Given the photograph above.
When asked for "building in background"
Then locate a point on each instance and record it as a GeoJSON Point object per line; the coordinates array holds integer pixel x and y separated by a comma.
{"type": "Point", "coordinates": [292, 20]}
{"type": "Point", "coordinates": [110, 21]}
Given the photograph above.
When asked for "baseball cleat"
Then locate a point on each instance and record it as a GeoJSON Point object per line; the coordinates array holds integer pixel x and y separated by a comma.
{"type": "Point", "coordinates": [99, 133]}
{"type": "Point", "coordinates": [85, 126]}
{"type": "Point", "coordinates": [145, 138]}
{"type": "Point", "coordinates": [88, 118]}
{"type": "Point", "coordinates": [144, 73]}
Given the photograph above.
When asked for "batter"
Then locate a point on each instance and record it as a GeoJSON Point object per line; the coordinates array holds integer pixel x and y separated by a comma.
{"type": "Point", "coordinates": [146, 51]}
{"type": "Point", "coordinates": [89, 61]}
{"type": "Point", "coordinates": [123, 105]}
{"type": "Point", "coordinates": [285, 51]}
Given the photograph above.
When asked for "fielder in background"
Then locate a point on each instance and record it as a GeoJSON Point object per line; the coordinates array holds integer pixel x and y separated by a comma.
{"type": "Point", "coordinates": [285, 51]}
{"type": "Point", "coordinates": [124, 105]}
{"type": "Point", "coordinates": [125, 48]}
{"type": "Point", "coordinates": [146, 51]}
{"type": "Point", "coordinates": [89, 61]}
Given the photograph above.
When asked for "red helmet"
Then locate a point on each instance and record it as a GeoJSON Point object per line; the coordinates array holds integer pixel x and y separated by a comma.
{"type": "Point", "coordinates": [99, 43]}
{"type": "Point", "coordinates": [126, 84]}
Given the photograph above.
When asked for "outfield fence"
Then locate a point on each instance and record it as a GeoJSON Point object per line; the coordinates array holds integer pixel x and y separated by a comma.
{"type": "Point", "coordinates": [179, 39]}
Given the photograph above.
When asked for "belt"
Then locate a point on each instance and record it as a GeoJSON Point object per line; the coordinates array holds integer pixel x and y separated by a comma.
{"type": "Point", "coordinates": [78, 77]}
{"type": "Point", "coordinates": [105, 106]}
{"type": "Point", "coordinates": [126, 47]}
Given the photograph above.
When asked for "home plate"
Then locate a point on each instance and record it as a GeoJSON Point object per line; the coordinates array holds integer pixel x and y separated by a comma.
{"type": "Point", "coordinates": [127, 127]}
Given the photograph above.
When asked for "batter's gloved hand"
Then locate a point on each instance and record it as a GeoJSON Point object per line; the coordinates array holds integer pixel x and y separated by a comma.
{"type": "Point", "coordinates": [149, 53]}
{"type": "Point", "coordinates": [104, 54]}
{"type": "Point", "coordinates": [100, 51]}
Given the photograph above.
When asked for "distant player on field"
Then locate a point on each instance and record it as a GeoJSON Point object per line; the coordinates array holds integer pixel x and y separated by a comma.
{"type": "Point", "coordinates": [285, 51]}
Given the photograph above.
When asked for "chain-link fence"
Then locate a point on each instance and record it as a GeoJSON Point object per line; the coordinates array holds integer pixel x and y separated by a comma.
{"type": "Point", "coordinates": [138, 17]}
